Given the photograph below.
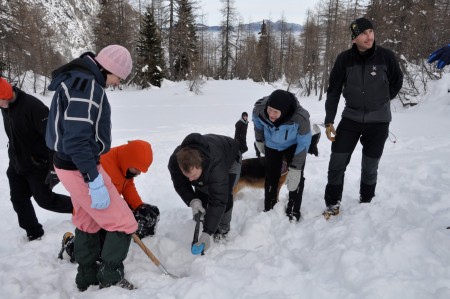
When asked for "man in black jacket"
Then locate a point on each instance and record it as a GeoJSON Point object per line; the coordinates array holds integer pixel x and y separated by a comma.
{"type": "Point", "coordinates": [240, 135]}
{"type": "Point", "coordinates": [204, 170]}
{"type": "Point", "coordinates": [369, 77]}
{"type": "Point", "coordinates": [29, 171]}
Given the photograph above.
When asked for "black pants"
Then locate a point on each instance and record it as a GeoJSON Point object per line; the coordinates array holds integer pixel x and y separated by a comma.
{"type": "Point", "coordinates": [274, 162]}
{"type": "Point", "coordinates": [23, 187]}
{"type": "Point", "coordinates": [372, 137]}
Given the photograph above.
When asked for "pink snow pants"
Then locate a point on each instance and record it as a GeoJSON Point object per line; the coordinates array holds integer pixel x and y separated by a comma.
{"type": "Point", "coordinates": [117, 217]}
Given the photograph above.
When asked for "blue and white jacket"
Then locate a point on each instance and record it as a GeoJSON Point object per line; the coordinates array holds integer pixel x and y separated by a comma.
{"type": "Point", "coordinates": [295, 130]}
{"type": "Point", "coordinates": [79, 122]}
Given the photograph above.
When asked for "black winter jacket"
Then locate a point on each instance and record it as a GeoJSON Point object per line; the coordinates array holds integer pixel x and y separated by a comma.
{"type": "Point", "coordinates": [25, 121]}
{"type": "Point", "coordinates": [367, 81]}
{"type": "Point", "coordinates": [218, 154]}
{"type": "Point", "coordinates": [240, 135]}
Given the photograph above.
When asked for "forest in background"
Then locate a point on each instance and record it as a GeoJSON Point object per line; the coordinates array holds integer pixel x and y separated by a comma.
{"type": "Point", "coordinates": [167, 42]}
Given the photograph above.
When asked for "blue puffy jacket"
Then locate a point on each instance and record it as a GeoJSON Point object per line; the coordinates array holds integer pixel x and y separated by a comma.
{"type": "Point", "coordinates": [294, 130]}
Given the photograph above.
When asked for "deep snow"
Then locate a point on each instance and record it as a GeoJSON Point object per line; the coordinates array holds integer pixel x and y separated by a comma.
{"type": "Point", "coordinates": [395, 247]}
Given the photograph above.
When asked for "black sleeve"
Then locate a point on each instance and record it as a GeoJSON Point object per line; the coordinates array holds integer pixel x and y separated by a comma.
{"type": "Point", "coordinates": [218, 197]}
{"type": "Point", "coordinates": [395, 76]}
{"type": "Point", "coordinates": [337, 77]}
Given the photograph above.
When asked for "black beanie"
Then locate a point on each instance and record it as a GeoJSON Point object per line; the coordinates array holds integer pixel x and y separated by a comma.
{"type": "Point", "coordinates": [284, 101]}
{"type": "Point", "coordinates": [358, 26]}
{"type": "Point", "coordinates": [244, 114]}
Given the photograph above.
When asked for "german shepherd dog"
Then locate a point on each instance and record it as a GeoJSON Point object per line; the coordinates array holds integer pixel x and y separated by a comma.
{"type": "Point", "coordinates": [253, 169]}
{"type": "Point", "coordinates": [253, 175]}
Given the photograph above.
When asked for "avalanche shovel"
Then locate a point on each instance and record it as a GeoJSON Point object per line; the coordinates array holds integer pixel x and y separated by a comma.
{"type": "Point", "coordinates": [152, 256]}
{"type": "Point", "coordinates": [196, 249]}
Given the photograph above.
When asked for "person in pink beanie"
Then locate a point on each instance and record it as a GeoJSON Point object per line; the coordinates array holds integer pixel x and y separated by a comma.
{"type": "Point", "coordinates": [79, 131]}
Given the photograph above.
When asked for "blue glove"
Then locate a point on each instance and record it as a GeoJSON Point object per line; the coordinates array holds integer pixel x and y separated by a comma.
{"type": "Point", "coordinates": [203, 244]}
{"type": "Point", "coordinates": [99, 193]}
{"type": "Point", "coordinates": [442, 55]}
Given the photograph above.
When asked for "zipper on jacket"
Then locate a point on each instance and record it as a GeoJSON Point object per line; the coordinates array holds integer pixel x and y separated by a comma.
{"type": "Point", "coordinates": [364, 88]}
{"type": "Point", "coordinates": [286, 135]}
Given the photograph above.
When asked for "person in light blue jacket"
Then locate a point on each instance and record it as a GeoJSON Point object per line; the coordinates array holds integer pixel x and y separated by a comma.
{"type": "Point", "coordinates": [282, 132]}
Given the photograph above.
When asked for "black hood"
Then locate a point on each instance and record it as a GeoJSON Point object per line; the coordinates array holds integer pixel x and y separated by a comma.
{"type": "Point", "coordinates": [285, 102]}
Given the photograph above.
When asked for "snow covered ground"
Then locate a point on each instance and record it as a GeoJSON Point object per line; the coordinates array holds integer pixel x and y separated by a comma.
{"type": "Point", "coordinates": [395, 247]}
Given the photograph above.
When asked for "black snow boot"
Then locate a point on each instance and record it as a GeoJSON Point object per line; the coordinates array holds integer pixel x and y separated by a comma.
{"type": "Point", "coordinates": [67, 245]}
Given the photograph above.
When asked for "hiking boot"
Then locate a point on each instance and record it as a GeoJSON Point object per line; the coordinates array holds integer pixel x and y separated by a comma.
{"type": "Point", "coordinates": [67, 244]}
{"type": "Point", "coordinates": [297, 215]}
{"type": "Point", "coordinates": [123, 283]}
{"type": "Point", "coordinates": [331, 211]}
{"type": "Point", "coordinates": [293, 215]}
{"type": "Point", "coordinates": [35, 236]}
{"type": "Point", "coordinates": [220, 237]}
{"type": "Point", "coordinates": [365, 200]}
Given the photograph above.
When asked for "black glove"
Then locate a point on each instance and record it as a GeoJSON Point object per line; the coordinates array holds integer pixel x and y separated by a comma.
{"type": "Point", "coordinates": [52, 179]}
{"type": "Point", "coordinates": [147, 217]}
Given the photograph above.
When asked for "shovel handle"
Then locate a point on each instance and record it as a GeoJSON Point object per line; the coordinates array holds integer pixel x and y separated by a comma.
{"type": "Point", "coordinates": [197, 218]}
{"type": "Point", "coordinates": [146, 250]}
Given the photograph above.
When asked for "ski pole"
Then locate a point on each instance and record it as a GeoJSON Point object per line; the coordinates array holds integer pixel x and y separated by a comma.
{"type": "Point", "coordinates": [152, 256]}
{"type": "Point", "coordinates": [197, 218]}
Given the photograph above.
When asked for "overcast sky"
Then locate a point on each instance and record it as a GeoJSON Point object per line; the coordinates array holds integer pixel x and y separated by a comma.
{"type": "Point", "coordinates": [294, 11]}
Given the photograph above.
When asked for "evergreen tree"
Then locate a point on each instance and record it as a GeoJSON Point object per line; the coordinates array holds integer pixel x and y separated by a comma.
{"type": "Point", "coordinates": [227, 34]}
{"type": "Point", "coordinates": [262, 67]}
{"type": "Point", "coordinates": [185, 53]}
{"type": "Point", "coordinates": [116, 22]}
{"type": "Point", "coordinates": [150, 61]}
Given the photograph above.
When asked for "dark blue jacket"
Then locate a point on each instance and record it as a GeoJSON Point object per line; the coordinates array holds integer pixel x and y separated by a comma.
{"type": "Point", "coordinates": [79, 122]}
{"type": "Point", "coordinates": [367, 81]}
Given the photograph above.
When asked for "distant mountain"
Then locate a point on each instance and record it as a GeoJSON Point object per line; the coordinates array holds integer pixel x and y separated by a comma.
{"type": "Point", "coordinates": [256, 26]}
{"type": "Point", "coordinates": [72, 22]}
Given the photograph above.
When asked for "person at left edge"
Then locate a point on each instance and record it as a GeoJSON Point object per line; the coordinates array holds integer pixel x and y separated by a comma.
{"type": "Point", "coordinates": [29, 172]}
{"type": "Point", "coordinates": [79, 131]}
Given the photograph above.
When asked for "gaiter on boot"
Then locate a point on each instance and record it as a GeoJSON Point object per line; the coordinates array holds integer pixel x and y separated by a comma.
{"type": "Point", "coordinates": [270, 197]}
{"type": "Point", "coordinates": [115, 250]}
{"type": "Point", "coordinates": [86, 250]}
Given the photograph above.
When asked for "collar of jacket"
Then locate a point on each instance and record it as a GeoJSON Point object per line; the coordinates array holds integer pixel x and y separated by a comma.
{"type": "Point", "coordinates": [365, 55]}
{"type": "Point", "coordinates": [244, 121]}
{"type": "Point", "coordinates": [85, 63]}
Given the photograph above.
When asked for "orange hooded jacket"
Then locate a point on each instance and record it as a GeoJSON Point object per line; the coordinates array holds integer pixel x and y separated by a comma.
{"type": "Point", "coordinates": [137, 154]}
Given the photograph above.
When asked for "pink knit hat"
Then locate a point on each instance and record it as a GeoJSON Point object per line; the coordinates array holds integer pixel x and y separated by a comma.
{"type": "Point", "coordinates": [115, 59]}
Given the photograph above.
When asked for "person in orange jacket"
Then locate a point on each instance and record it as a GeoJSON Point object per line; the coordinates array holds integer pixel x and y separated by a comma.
{"type": "Point", "coordinates": [123, 163]}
